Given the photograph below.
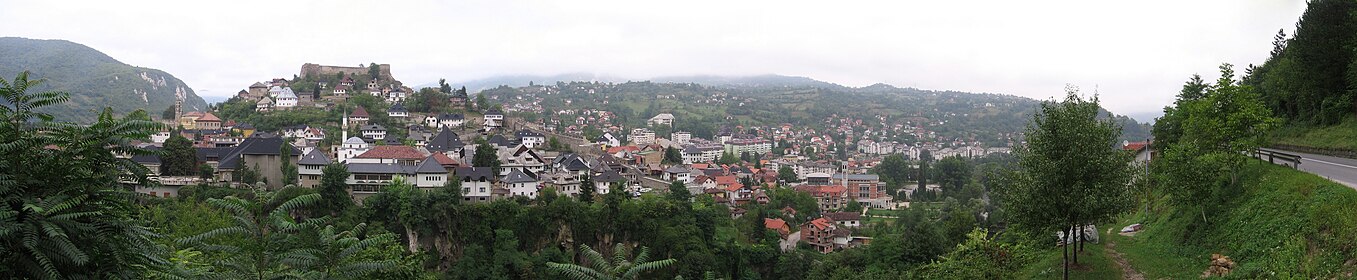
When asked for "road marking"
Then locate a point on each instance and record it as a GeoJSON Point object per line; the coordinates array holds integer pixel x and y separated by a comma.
{"type": "Point", "coordinates": [1330, 163]}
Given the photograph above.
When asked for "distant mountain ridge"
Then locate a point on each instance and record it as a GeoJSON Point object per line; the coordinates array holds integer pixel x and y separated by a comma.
{"type": "Point", "coordinates": [93, 79]}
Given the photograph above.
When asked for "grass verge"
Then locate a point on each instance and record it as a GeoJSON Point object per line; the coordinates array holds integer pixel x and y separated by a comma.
{"type": "Point", "coordinates": [1281, 224]}
{"type": "Point", "coordinates": [1341, 136]}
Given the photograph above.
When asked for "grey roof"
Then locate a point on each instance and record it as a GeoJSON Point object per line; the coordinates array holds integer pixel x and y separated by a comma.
{"type": "Point", "coordinates": [373, 127]}
{"type": "Point", "coordinates": [257, 144]}
{"type": "Point", "coordinates": [571, 162]}
{"type": "Point", "coordinates": [315, 157]}
{"type": "Point", "coordinates": [447, 116]}
{"type": "Point", "coordinates": [258, 85]}
{"type": "Point", "coordinates": [210, 154]}
{"type": "Point", "coordinates": [354, 141]}
{"type": "Point", "coordinates": [676, 169]}
{"type": "Point", "coordinates": [872, 177]}
{"type": "Point", "coordinates": [493, 111]}
{"type": "Point", "coordinates": [430, 165]}
{"type": "Point", "coordinates": [516, 176]}
{"type": "Point", "coordinates": [396, 108]}
{"type": "Point", "coordinates": [148, 158]}
{"type": "Point", "coordinates": [500, 140]}
{"type": "Point", "coordinates": [244, 126]}
{"type": "Point", "coordinates": [446, 140]}
{"type": "Point", "coordinates": [391, 141]}
{"type": "Point", "coordinates": [474, 173]}
{"type": "Point", "coordinates": [609, 177]}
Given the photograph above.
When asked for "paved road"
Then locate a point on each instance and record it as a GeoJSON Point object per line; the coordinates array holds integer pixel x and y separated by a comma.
{"type": "Point", "coordinates": [1341, 170]}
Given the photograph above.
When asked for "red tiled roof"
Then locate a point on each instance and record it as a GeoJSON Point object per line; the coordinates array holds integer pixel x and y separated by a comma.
{"type": "Point", "coordinates": [821, 223]}
{"type": "Point", "coordinates": [777, 224]}
{"type": "Point", "coordinates": [619, 149]}
{"type": "Point", "coordinates": [359, 112]}
{"type": "Point", "coordinates": [444, 159]}
{"type": "Point", "coordinates": [393, 152]}
{"type": "Point", "coordinates": [700, 165]}
{"type": "Point", "coordinates": [209, 117]}
{"type": "Point", "coordinates": [735, 187]}
{"type": "Point", "coordinates": [1135, 146]}
{"type": "Point", "coordinates": [727, 180]}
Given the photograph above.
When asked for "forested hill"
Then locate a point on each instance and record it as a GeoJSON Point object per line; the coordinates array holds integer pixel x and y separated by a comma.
{"type": "Point", "coordinates": [994, 119]}
{"type": "Point", "coordinates": [1311, 76]}
{"type": "Point", "coordinates": [93, 79]}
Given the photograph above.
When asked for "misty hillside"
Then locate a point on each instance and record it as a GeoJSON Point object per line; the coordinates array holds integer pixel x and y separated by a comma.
{"type": "Point", "coordinates": [93, 79]}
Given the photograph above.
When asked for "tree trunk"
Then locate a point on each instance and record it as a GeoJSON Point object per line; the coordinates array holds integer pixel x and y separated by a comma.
{"type": "Point", "coordinates": [414, 238]}
{"type": "Point", "coordinates": [1065, 252]}
{"type": "Point", "coordinates": [1074, 252]}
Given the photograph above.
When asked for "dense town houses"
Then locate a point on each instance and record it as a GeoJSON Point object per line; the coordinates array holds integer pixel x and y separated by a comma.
{"type": "Point", "coordinates": [430, 148]}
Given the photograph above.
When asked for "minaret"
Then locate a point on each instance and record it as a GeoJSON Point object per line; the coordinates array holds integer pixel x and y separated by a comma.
{"type": "Point", "coordinates": [178, 104]}
{"type": "Point", "coordinates": [344, 135]}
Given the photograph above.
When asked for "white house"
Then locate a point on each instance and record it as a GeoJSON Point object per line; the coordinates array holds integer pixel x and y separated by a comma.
{"type": "Point", "coordinates": [681, 137]}
{"type": "Point", "coordinates": [531, 138]}
{"type": "Point", "coordinates": [493, 119]}
{"type": "Point", "coordinates": [521, 184]}
{"type": "Point", "coordinates": [663, 119]}
{"type": "Point", "coordinates": [374, 131]}
{"type": "Point", "coordinates": [397, 111]}
{"type": "Point", "coordinates": [476, 182]}
{"type": "Point", "coordinates": [608, 139]}
{"type": "Point", "coordinates": [642, 136]}
{"type": "Point", "coordinates": [521, 158]}
{"type": "Point", "coordinates": [285, 99]}
{"type": "Point", "coordinates": [451, 120]}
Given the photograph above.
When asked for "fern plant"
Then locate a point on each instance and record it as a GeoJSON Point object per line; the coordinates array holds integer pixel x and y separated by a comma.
{"type": "Point", "coordinates": [619, 267]}
{"type": "Point", "coordinates": [66, 209]}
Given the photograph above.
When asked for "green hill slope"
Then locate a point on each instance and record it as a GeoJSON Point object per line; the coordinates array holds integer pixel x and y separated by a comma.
{"type": "Point", "coordinates": [1281, 224]}
{"type": "Point", "coordinates": [93, 79]}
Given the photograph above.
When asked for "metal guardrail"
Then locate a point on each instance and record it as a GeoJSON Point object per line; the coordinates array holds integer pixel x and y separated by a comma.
{"type": "Point", "coordinates": [1289, 160]}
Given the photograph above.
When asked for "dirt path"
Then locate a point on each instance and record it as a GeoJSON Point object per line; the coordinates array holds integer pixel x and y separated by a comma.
{"type": "Point", "coordinates": [1127, 272]}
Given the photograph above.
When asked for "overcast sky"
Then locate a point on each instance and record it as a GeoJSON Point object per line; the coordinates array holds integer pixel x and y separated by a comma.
{"type": "Point", "coordinates": [1136, 53]}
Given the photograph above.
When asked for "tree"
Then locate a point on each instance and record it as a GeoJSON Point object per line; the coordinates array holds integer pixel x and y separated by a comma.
{"type": "Point", "coordinates": [922, 176]}
{"type": "Point", "coordinates": [179, 159]}
{"type": "Point", "coordinates": [587, 189]}
{"type": "Point", "coordinates": [1071, 173]}
{"type": "Point", "coordinates": [786, 174]}
{"type": "Point", "coordinates": [1213, 132]}
{"type": "Point", "coordinates": [401, 204]}
{"type": "Point", "coordinates": [64, 218]}
{"type": "Point", "coordinates": [853, 206]}
{"type": "Point", "coordinates": [727, 158]}
{"type": "Point", "coordinates": [672, 156]}
{"type": "Point", "coordinates": [285, 161]}
{"type": "Point", "coordinates": [443, 86]}
{"type": "Point", "coordinates": [553, 144]}
{"type": "Point", "coordinates": [374, 71]}
{"type": "Point", "coordinates": [679, 192]}
{"type": "Point", "coordinates": [206, 172]}
{"type": "Point", "coordinates": [953, 174]}
{"type": "Point", "coordinates": [168, 114]}
{"type": "Point", "coordinates": [334, 189]}
{"type": "Point", "coordinates": [486, 156]}
{"type": "Point", "coordinates": [618, 267]}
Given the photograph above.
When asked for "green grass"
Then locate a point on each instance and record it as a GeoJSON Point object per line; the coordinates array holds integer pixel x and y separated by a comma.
{"type": "Point", "coordinates": [1093, 264]}
{"type": "Point", "coordinates": [1341, 136]}
{"type": "Point", "coordinates": [1282, 223]}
